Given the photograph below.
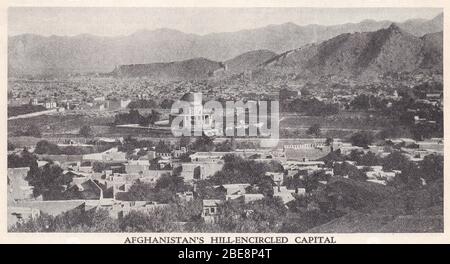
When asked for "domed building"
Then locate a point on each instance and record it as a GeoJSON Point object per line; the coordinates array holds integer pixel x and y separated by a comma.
{"type": "Point", "coordinates": [194, 114]}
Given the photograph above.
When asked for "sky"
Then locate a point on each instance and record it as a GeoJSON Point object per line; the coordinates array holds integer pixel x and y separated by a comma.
{"type": "Point", "coordinates": [117, 21]}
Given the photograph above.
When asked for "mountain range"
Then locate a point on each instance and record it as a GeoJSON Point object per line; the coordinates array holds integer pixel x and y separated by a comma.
{"type": "Point", "coordinates": [360, 55]}
{"type": "Point", "coordinates": [35, 54]}
{"type": "Point", "coordinates": [364, 54]}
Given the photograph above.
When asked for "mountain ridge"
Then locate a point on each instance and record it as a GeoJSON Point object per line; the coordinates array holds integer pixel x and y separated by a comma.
{"type": "Point", "coordinates": [34, 54]}
{"type": "Point", "coordinates": [363, 54]}
{"type": "Point", "coordinates": [196, 68]}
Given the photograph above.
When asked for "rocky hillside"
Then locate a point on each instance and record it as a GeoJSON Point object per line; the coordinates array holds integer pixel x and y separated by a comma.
{"type": "Point", "coordinates": [432, 51]}
{"type": "Point", "coordinates": [363, 54]}
{"type": "Point", "coordinates": [33, 54]}
{"type": "Point", "coordinates": [193, 69]}
{"type": "Point", "coordinates": [249, 60]}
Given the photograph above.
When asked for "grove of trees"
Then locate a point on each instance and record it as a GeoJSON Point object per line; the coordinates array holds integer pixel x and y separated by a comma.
{"type": "Point", "coordinates": [134, 117]}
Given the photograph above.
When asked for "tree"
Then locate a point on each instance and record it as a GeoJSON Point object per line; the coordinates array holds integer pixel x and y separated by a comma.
{"type": "Point", "coordinates": [203, 143]}
{"type": "Point", "coordinates": [314, 130]}
{"type": "Point", "coordinates": [347, 169]}
{"type": "Point", "coordinates": [265, 186]}
{"type": "Point", "coordinates": [167, 103]}
{"type": "Point", "coordinates": [305, 92]}
{"type": "Point", "coordinates": [410, 177]}
{"type": "Point", "coordinates": [368, 159]}
{"type": "Point", "coordinates": [150, 119]}
{"type": "Point", "coordinates": [99, 166]}
{"type": "Point", "coordinates": [361, 101]}
{"type": "Point", "coordinates": [391, 132]}
{"type": "Point", "coordinates": [133, 117]}
{"type": "Point", "coordinates": [361, 139]}
{"type": "Point", "coordinates": [396, 161]}
{"type": "Point", "coordinates": [33, 131]}
{"type": "Point", "coordinates": [130, 143]}
{"type": "Point", "coordinates": [309, 182]}
{"type": "Point", "coordinates": [162, 147]}
{"type": "Point", "coordinates": [163, 192]}
{"type": "Point", "coordinates": [311, 107]}
{"type": "Point", "coordinates": [173, 183]}
{"type": "Point", "coordinates": [48, 181]}
{"type": "Point", "coordinates": [265, 215]}
{"type": "Point", "coordinates": [206, 190]}
{"type": "Point", "coordinates": [135, 221]}
{"type": "Point", "coordinates": [239, 170]}
{"type": "Point", "coordinates": [71, 150]}
{"type": "Point", "coordinates": [140, 191]}
{"type": "Point", "coordinates": [225, 146]}
{"type": "Point", "coordinates": [189, 210]}
{"type": "Point", "coordinates": [25, 159]}
{"type": "Point", "coordinates": [85, 131]}
{"type": "Point", "coordinates": [142, 103]}
{"type": "Point", "coordinates": [432, 167]}
{"type": "Point", "coordinates": [185, 141]}
{"type": "Point", "coordinates": [10, 146]}
{"type": "Point", "coordinates": [45, 147]}
{"type": "Point", "coordinates": [103, 222]}
{"type": "Point", "coordinates": [99, 220]}
{"type": "Point", "coordinates": [185, 157]}
{"type": "Point", "coordinates": [156, 220]}
{"type": "Point", "coordinates": [287, 94]}
{"type": "Point", "coordinates": [421, 131]}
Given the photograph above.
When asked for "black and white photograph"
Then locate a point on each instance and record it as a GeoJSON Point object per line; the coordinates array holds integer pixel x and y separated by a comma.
{"type": "Point", "coordinates": [240, 120]}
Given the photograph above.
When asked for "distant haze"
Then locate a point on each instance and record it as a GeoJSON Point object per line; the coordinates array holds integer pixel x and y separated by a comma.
{"type": "Point", "coordinates": [70, 21]}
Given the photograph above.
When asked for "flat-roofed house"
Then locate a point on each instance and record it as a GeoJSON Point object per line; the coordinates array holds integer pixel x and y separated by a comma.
{"type": "Point", "coordinates": [246, 197]}
{"type": "Point", "coordinates": [111, 155]}
{"type": "Point", "coordinates": [307, 151]}
{"type": "Point", "coordinates": [235, 188]}
{"type": "Point", "coordinates": [20, 214]}
{"type": "Point", "coordinates": [18, 187]}
{"type": "Point", "coordinates": [210, 211]}
{"type": "Point", "coordinates": [137, 166]}
{"type": "Point", "coordinates": [277, 177]}
{"type": "Point", "coordinates": [83, 189]}
{"type": "Point", "coordinates": [200, 170]}
{"type": "Point", "coordinates": [207, 156]}
{"type": "Point", "coordinates": [24, 210]}
{"type": "Point", "coordinates": [283, 193]}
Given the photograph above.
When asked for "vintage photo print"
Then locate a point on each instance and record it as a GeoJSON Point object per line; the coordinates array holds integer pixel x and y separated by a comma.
{"type": "Point", "coordinates": [158, 122]}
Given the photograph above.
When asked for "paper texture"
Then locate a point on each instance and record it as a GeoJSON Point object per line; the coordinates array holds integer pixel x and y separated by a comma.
{"type": "Point", "coordinates": [195, 122]}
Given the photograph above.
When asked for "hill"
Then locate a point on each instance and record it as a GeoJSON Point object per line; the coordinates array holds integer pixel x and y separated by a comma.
{"type": "Point", "coordinates": [193, 69]}
{"type": "Point", "coordinates": [34, 54]}
{"type": "Point", "coordinates": [249, 60]}
{"type": "Point", "coordinates": [371, 207]}
{"type": "Point", "coordinates": [419, 27]}
{"type": "Point", "coordinates": [363, 54]}
{"type": "Point", "coordinates": [432, 51]}
{"type": "Point", "coordinates": [357, 222]}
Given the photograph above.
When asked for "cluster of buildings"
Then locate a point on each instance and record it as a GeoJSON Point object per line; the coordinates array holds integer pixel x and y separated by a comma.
{"type": "Point", "coordinates": [93, 188]}
{"type": "Point", "coordinates": [106, 186]}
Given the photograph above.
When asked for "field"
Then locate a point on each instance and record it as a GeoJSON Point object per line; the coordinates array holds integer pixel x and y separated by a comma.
{"type": "Point", "coordinates": [57, 123]}
{"type": "Point", "coordinates": [337, 126]}
{"type": "Point", "coordinates": [67, 125]}
{"type": "Point", "coordinates": [343, 120]}
{"type": "Point", "coordinates": [24, 109]}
